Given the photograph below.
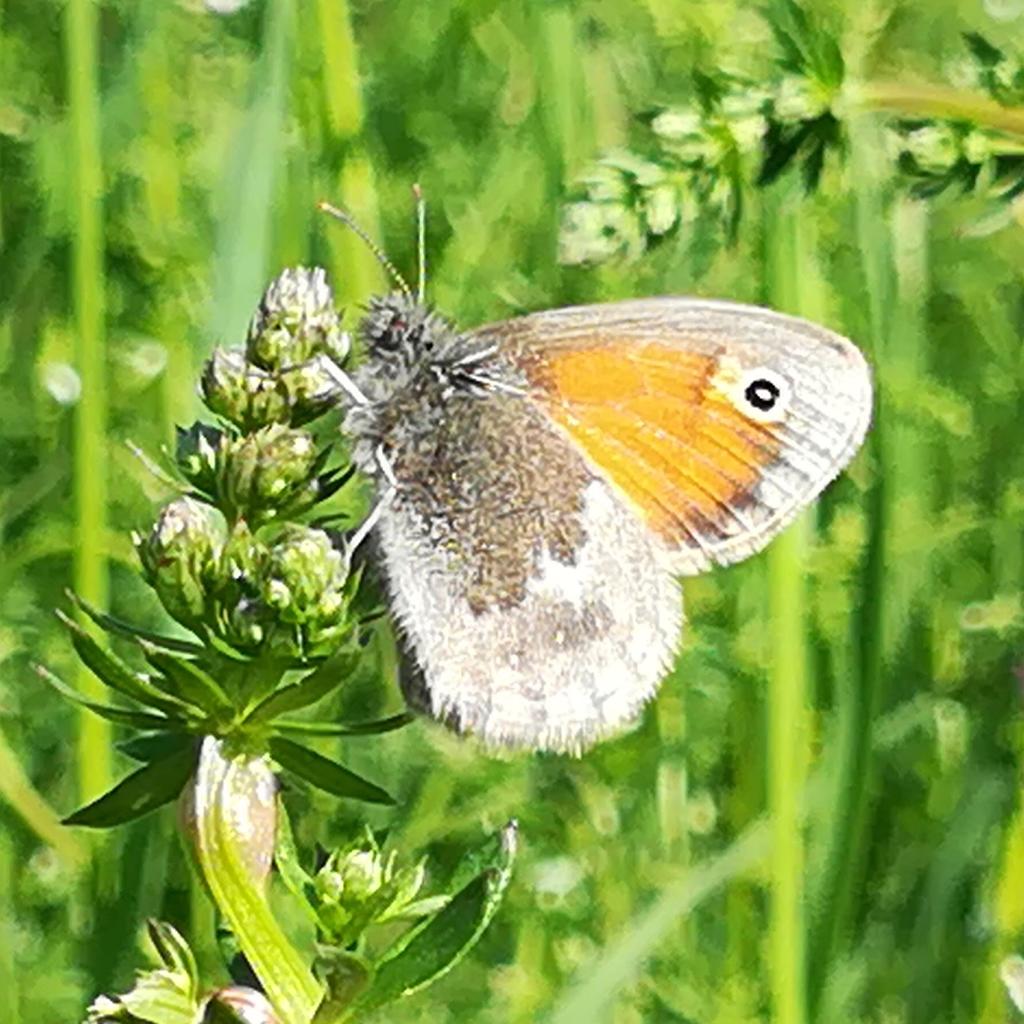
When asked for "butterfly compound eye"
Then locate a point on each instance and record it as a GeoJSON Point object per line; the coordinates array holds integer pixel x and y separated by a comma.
{"type": "Point", "coordinates": [764, 394]}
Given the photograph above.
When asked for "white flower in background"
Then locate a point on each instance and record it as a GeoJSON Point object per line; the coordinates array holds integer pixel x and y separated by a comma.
{"type": "Point", "coordinates": [63, 382]}
{"type": "Point", "coordinates": [1011, 970]}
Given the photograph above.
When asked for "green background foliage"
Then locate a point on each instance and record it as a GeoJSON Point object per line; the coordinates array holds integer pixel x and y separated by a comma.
{"type": "Point", "coordinates": [160, 162]}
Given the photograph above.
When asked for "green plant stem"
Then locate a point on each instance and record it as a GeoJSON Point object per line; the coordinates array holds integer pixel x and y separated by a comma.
{"type": "Point", "coordinates": [923, 100]}
{"type": "Point", "coordinates": [860, 678]}
{"type": "Point", "coordinates": [222, 782]}
{"type": "Point", "coordinates": [90, 458]}
{"type": "Point", "coordinates": [791, 281]}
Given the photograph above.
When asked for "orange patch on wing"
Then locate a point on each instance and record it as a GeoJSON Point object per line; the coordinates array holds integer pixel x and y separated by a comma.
{"type": "Point", "coordinates": [648, 416]}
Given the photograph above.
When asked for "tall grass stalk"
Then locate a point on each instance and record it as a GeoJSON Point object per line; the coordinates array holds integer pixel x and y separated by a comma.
{"type": "Point", "coordinates": [163, 194]}
{"type": "Point", "coordinates": [859, 678]}
{"type": "Point", "coordinates": [792, 279]}
{"type": "Point", "coordinates": [355, 272]}
{"type": "Point", "coordinates": [247, 189]}
{"type": "Point", "coordinates": [88, 290]}
{"type": "Point", "coordinates": [672, 779]}
{"type": "Point", "coordinates": [9, 986]}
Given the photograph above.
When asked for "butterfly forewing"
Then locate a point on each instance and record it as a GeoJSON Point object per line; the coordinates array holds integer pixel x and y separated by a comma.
{"type": "Point", "coordinates": [716, 421]}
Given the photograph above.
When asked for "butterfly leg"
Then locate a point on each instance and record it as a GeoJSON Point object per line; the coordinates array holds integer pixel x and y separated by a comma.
{"type": "Point", "coordinates": [387, 471]}
{"type": "Point", "coordinates": [345, 382]}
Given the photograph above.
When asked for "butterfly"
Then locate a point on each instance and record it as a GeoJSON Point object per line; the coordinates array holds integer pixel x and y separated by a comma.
{"type": "Point", "coordinates": [543, 482]}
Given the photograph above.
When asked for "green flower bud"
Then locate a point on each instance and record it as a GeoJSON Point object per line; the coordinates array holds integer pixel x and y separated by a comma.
{"type": "Point", "coordinates": [243, 619]}
{"type": "Point", "coordinates": [687, 136]}
{"type": "Point", "coordinates": [239, 1005]}
{"type": "Point", "coordinates": [934, 147]}
{"type": "Point", "coordinates": [197, 455]}
{"type": "Point", "coordinates": [179, 555]}
{"type": "Point", "coordinates": [349, 893]}
{"type": "Point", "coordinates": [268, 474]}
{"type": "Point", "coordinates": [296, 320]}
{"type": "Point", "coordinates": [595, 232]}
{"type": "Point", "coordinates": [634, 168]}
{"type": "Point", "coordinates": [243, 393]}
{"type": "Point", "coordinates": [306, 584]}
{"type": "Point", "coordinates": [661, 208]}
{"type": "Point", "coordinates": [310, 389]}
{"type": "Point", "coordinates": [979, 146]}
{"type": "Point", "coordinates": [359, 887]}
{"type": "Point", "coordinates": [800, 99]}
{"type": "Point", "coordinates": [605, 184]}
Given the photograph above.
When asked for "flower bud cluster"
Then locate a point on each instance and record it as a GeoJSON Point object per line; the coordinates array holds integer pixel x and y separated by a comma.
{"type": "Point", "coordinates": [268, 475]}
{"type": "Point", "coordinates": [360, 886]}
{"type": "Point", "coordinates": [290, 594]}
{"type": "Point", "coordinates": [229, 560]}
{"type": "Point", "coordinates": [283, 375]}
{"type": "Point", "coordinates": [630, 201]}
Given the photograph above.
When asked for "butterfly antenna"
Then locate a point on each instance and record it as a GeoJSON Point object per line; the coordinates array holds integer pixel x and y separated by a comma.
{"type": "Point", "coordinates": [421, 242]}
{"type": "Point", "coordinates": [347, 219]}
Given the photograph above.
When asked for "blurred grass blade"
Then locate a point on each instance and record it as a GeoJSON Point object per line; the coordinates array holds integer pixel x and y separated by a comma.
{"type": "Point", "coordinates": [88, 289]}
{"type": "Point", "coordinates": [18, 793]}
{"type": "Point", "coordinates": [591, 998]}
{"type": "Point", "coordinates": [324, 773]}
{"type": "Point", "coordinates": [249, 183]}
{"type": "Point", "coordinates": [143, 791]}
{"type": "Point", "coordinates": [860, 694]}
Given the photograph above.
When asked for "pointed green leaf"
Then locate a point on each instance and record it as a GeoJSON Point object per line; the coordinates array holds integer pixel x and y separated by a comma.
{"type": "Point", "coordinates": [153, 746]}
{"type": "Point", "coordinates": [381, 725]}
{"type": "Point", "coordinates": [109, 669]}
{"type": "Point", "coordinates": [121, 716]}
{"type": "Point", "coordinates": [119, 628]}
{"type": "Point", "coordinates": [174, 952]}
{"type": "Point", "coordinates": [433, 948]}
{"type": "Point", "coordinates": [186, 680]}
{"type": "Point", "coordinates": [221, 646]}
{"type": "Point", "coordinates": [325, 774]}
{"type": "Point", "coordinates": [985, 53]}
{"type": "Point", "coordinates": [306, 691]}
{"type": "Point", "coordinates": [143, 791]}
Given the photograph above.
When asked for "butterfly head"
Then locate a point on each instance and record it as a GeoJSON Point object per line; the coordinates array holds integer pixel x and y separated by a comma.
{"type": "Point", "coordinates": [402, 333]}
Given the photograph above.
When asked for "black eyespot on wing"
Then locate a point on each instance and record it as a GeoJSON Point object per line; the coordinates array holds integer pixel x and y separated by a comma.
{"type": "Point", "coordinates": [763, 394]}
